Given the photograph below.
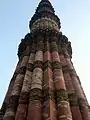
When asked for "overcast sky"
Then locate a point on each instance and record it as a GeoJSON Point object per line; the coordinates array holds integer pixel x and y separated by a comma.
{"type": "Point", "coordinates": [14, 24]}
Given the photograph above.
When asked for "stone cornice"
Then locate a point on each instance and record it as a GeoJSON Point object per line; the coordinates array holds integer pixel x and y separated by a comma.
{"type": "Point", "coordinates": [31, 39]}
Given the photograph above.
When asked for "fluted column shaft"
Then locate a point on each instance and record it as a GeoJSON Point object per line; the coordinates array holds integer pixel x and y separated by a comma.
{"type": "Point", "coordinates": [6, 100]}
{"type": "Point", "coordinates": [8, 94]}
{"type": "Point", "coordinates": [22, 109]}
{"type": "Point", "coordinates": [49, 106]}
{"type": "Point", "coordinates": [81, 100]}
{"type": "Point", "coordinates": [35, 98]}
{"type": "Point", "coordinates": [67, 66]}
{"type": "Point", "coordinates": [12, 106]}
{"type": "Point", "coordinates": [63, 107]}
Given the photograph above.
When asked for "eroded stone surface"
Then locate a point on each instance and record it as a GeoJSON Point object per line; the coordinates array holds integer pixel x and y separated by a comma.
{"type": "Point", "coordinates": [18, 84]}
{"type": "Point", "coordinates": [24, 61]}
{"type": "Point", "coordinates": [39, 56]}
{"type": "Point", "coordinates": [37, 78]}
{"type": "Point", "coordinates": [27, 81]}
{"type": "Point", "coordinates": [31, 58]}
{"type": "Point", "coordinates": [59, 79]}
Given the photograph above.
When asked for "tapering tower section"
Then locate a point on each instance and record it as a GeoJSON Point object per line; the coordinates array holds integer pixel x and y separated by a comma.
{"type": "Point", "coordinates": [45, 85]}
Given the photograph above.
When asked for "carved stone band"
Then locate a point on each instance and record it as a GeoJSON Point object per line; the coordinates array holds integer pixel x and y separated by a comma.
{"type": "Point", "coordinates": [47, 64]}
{"type": "Point", "coordinates": [73, 99]}
{"type": "Point", "coordinates": [61, 95]}
{"type": "Point", "coordinates": [38, 64]}
{"type": "Point", "coordinates": [30, 67]}
{"type": "Point", "coordinates": [35, 94]}
{"type": "Point", "coordinates": [56, 65]}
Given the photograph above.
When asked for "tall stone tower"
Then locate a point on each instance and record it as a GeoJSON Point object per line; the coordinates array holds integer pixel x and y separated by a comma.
{"type": "Point", "coordinates": [45, 85]}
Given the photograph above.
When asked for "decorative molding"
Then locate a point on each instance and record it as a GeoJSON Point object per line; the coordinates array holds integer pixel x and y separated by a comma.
{"type": "Point", "coordinates": [26, 52]}
{"type": "Point", "coordinates": [38, 64]}
{"type": "Point", "coordinates": [61, 95]}
{"type": "Point", "coordinates": [73, 99]}
{"type": "Point", "coordinates": [23, 44]}
{"type": "Point", "coordinates": [33, 50]}
{"type": "Point", "coordinates": [30, 67]}
{"type": "Point", "coordinates": [65, 68]}
{"type": "Point", "coordinates": [35, 94]}
{"type": "Point", "coordinates": [24, 98]}
{"type": "Point", "coordinates": [47, 64]}
{"type": "Point", "coordinates": [56, 65]}
{"type": "Point", "coordinates": [44, 10]}
{"type": "Point", "coordinates": [44, 23]}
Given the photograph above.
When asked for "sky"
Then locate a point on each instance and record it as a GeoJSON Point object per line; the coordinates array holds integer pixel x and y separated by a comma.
{"type": "Point", "coordinates": [14, 24]}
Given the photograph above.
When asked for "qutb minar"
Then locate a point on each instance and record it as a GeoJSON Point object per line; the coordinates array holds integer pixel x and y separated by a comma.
{"type": "Point", "coordinates": [45, 85]}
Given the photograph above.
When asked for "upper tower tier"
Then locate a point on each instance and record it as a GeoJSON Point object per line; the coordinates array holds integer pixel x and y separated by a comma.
{"type": "Point", "coordinates": [44, 18]}
{"type": "Point", "coordinates": [44, 25]}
